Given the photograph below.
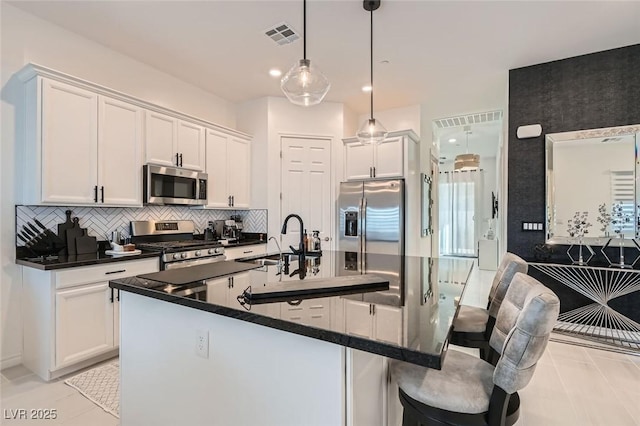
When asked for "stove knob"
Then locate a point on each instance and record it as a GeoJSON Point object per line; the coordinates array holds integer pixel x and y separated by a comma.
{"type": "Point", "coordinates": [213, 251]}
{"type": "Point", "coordinates": [176, 256]}
{"type": "Point", "coordinates": [183, 255]}
{"type": "Point", "coordinates": [198, 252]}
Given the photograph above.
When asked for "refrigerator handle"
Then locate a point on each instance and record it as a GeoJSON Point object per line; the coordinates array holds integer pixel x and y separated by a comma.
{"type": "Point", "coordinates": [363, 232]}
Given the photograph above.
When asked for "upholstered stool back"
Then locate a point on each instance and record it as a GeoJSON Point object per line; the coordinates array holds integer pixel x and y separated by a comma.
{"type": "Point", "coordinates": [509, 266]}
{"type": "Point", "coordinates": [523, 326]}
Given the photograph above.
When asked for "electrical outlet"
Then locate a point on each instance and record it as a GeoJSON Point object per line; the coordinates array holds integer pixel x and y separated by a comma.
{"type": "Point", "coordinates": [202, 343]}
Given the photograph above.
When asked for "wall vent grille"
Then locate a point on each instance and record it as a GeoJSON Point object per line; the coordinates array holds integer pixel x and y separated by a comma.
{"type": "Point", "coordinates": [465, 120]}
{"type": "Point", "coordinates": [282, 33]}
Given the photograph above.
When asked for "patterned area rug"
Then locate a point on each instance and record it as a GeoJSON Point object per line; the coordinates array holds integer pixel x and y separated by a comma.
{"type": "Point", "coordinates": [101, 385]}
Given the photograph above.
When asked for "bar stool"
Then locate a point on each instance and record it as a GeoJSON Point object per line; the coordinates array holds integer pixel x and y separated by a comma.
{"type": "Point", "coordinates": [470, 391]}
{"type": "Point", "coordinates": [472, 326]}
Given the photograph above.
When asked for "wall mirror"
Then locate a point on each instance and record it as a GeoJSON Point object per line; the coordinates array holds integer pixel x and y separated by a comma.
{"type": "Point", "coordinates": [591, 179]}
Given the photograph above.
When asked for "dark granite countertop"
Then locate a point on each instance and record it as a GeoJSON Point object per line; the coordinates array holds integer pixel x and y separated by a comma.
{"type": "Point", "coordinates": [62, 262]}
{"type": "Point", "coordinates": [421, 293]}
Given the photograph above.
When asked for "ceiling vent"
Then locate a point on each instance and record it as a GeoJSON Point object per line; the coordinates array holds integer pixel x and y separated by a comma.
{"type": "Point", "coordinates": [465, 120]}
{"type": "Point", "coordinates": [282, 33]}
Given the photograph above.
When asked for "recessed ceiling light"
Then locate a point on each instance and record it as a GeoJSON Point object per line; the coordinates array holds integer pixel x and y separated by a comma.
{"type": "Point", "coordinates": [366, 88]}
{"type": "Point", "coordinates": [452, 140]}
{"type": "Point", "coordinates": [275, 72]}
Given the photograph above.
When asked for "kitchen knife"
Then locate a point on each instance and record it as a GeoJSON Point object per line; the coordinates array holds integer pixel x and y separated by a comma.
{"type": "Point", "coordinates": [52, 238]}
{"type": "Point", "coordinates": [26, 241]}
{"type": "Point", "coordinates": [28, 237]}
{"type": "Point", "coordinates": [44, 228]}
{"type": "Point", "coordinates": [38, 232]}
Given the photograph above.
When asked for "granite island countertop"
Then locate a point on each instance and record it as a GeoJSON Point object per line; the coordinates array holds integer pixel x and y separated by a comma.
{"type": "Point", "coordinates": [418, 298]}
{"type": "Point", "coordinates": [62, 262]}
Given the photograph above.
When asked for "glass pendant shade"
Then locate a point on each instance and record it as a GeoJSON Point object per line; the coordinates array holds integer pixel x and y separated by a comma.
{"type": "Point", "coordinates": [466, 162]}
{"type": "Point", "coordinates": [372, 131]}
{"type": "Point", "coordinates": [304, 84]}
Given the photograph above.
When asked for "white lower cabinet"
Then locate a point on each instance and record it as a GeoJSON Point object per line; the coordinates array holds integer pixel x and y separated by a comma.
{"type": "Point", "coordinates": [245, 251]}
{"type": "Point", "coordinates": [380, 322]}
{"type": "Point", "coordinates": [71, 317]}
{"type": "Point", "coordinates": [84, 323]}
{"type": "Point", "coordinates": [313, 312]}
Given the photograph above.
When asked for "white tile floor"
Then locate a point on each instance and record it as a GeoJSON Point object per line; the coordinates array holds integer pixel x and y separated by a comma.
{"type": "Point", "coordinates": [572, 385]}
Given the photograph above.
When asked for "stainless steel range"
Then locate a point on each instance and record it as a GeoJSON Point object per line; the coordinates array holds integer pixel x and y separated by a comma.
{"type": "Point", "coordinates": [173, 239]}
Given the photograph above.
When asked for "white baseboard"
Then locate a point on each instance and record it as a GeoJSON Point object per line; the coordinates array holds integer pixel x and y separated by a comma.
{"type": "Point", "coordinates": [11, 361]}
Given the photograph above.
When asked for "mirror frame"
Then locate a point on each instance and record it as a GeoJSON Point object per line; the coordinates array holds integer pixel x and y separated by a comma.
{"type": "Point", "coordinates": [426, 199]}
{"type": "Point", "coordinates": [550, 138]}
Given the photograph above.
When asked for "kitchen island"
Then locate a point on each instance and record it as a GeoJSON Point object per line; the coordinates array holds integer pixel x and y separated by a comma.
{"type": "Point", "coordinates": [200, 353]}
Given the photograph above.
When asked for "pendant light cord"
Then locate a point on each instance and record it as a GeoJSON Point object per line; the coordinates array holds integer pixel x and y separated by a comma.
{"type": "Point", "coordinates": [304, 29]}
{"type": "Point", "coordinates": [371, 76]}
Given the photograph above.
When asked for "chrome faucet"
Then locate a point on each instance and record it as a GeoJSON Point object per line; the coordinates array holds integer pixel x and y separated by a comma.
{"type": "Point", "coordinates": [301, 249]}
{"type": "Point", "coordinates": [279, 249]}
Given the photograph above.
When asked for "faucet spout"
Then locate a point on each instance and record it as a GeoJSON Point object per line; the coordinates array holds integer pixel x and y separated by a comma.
{"type": "Point", "coordinates": [301, 248]}
{"type": "Point", "coordinates": [275, 240]}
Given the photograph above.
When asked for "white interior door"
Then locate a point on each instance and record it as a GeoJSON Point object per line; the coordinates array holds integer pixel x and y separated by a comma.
{"type": "Point", "coordinates": [306, 188]}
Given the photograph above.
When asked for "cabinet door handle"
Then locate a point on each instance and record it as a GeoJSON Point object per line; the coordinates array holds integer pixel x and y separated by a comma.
{"type": "Point", "coordinates": [374, 309]}
{"type": "Point", "coordinates": [229, 200]}
{"type": "Point", "coordinates": [115, 272]}
{"type": "Point", "coordinates": [95, 194]}
{"type": "Point", "coordinates": [177, 162]}
{"type": "Point", "coordinates": [233, 200]}
{"type": "Point", "coordinates": [118, 295]}
{"type": "Point", "coordinates": [374, 171]}
{"type": "Point", "coordinates": [232, 283]}
{"type": "Point", "coordinates": [247, 251]}
{"type": "Point", "coordinates": [111, 297]}
{"type": "Point", "coordinates": [180, 160]}
{"type": "Point", "coordinates": [370, 311]}
{"type": "Point", "coordinates": [370, 171]}
{"type": "Point", "coordinates": [102, 194]}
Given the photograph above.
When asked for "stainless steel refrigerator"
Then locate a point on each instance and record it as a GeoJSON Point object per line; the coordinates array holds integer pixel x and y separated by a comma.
{"type": "Point", "coordinates": [371, 228]}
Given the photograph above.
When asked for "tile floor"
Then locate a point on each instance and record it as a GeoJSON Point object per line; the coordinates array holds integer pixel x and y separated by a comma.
{"type": "Point", "coordinates": [572, 385]}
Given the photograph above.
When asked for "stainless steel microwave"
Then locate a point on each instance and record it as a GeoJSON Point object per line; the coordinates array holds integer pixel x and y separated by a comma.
{"type": "Point", "coordinates": [170, 185]}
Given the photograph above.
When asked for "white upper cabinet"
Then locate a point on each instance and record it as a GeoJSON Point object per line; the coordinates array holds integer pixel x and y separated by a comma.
{"type": "Point", "coordinates": [69, 144]}
{"type": "Point", "coordinates": [239, 159]}
{"type": "Point", "coordinates": [85, 144]}
{"type": "Point", "coordinates": [86, 150]}
{"type": "Point", "coordinates": [173, 142]}
{"type": "Point", "coordinates": [229, 170]}
{"type": "Point", "coordinates": [387, 159]}
{"type": "Point", "coordinates": [161, 139]}
{"type": "Point", "coordinates": [191, 145]}
{"type": "Point", "coordinates": [119, 152]}
{"type": "Point", "coordinates": [358, 160]}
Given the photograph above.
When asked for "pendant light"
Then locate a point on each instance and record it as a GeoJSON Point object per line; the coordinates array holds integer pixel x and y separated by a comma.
{"type": "Point", "coordinates": [372, 130]}
{"type": "Point", "coordinates": [304, 84]}
{"type": "Point", "coordinates": [466, 161]}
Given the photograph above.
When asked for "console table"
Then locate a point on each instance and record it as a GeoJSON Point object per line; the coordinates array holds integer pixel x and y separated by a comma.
{"type": "Point", "coordinates": [601, 304]}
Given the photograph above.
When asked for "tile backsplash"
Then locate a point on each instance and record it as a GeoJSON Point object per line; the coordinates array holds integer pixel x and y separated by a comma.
{"type": "Point", "coordinates": [100, 221]}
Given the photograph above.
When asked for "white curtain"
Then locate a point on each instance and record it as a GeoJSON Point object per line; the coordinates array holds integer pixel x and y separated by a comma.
{"type": "Point", "coordinates": [459, 201]}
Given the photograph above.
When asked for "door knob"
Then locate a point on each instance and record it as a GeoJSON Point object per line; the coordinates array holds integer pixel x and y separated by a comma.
{"type": "Point", "coordinates": [327, 238]}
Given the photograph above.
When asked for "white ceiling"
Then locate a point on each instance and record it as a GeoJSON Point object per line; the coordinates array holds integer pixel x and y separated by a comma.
{"type": "Point", "coordinates": [220, 46]}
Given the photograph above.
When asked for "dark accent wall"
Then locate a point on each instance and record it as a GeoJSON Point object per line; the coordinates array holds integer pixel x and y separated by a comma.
{"type": "Point", "coordinates": [585, 92]}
